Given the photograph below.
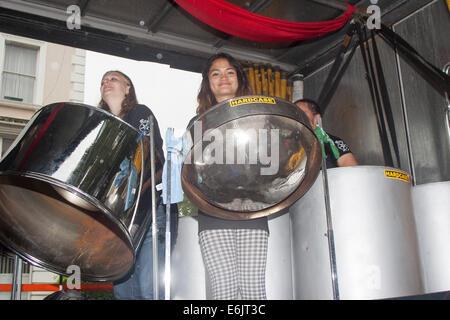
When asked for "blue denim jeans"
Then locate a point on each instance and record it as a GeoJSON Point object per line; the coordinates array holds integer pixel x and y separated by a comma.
{"type": "Point", "coordinates": [138, 285]}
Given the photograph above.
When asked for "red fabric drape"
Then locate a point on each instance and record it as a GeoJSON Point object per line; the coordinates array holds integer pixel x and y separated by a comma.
{"type": "Point", "coordinates": [242, 23]}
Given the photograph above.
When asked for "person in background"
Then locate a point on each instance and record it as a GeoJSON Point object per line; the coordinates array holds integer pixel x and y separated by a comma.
{"type": "Point", "coordinates": [234, 252]}
{"type": "Point", "coordinates": [119, 98]}
{"type": "Point", "coordinates": [337, 152]}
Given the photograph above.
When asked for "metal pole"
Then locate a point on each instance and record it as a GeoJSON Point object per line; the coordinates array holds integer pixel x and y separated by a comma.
{"type": "Point", "coordinates": [341, 6]}
{"type": "Point", "coordinates": [446, 69]}
{"type": "Point", "coordinates": [333, 4]}
{"type": "Point", "coordinates": [16, 288]}
{"type": "Point", "coordinates": [167, 273]}
{"type": "Point", "coordinates": [154, 226]}
{"type": "Point", "coordinates": [434, 76]}
{"type": "Point", "coordinates": [412, 168]}
{"type": "Point", "coordinates": [330, 233]}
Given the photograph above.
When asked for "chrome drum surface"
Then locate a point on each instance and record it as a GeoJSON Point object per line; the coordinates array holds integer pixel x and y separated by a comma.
{"type": "Point", "coordinates": [250, 157]}
{"type": "Point", "coordinates": [69, 190]}
{"type": "Point", "coordinates": [432, 214]}
{"type": "Point", "coordinates": [377, 255]}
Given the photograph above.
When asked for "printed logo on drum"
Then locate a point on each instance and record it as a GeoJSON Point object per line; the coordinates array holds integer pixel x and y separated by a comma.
{"type": "Point", "coordinates": [247, 100]}
{"type": "Point", "coordinates": [393, 174]}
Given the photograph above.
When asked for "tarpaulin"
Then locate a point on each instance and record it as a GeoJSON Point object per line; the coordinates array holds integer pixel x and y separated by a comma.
{"type": "Point", "coordinates": [242, 23]}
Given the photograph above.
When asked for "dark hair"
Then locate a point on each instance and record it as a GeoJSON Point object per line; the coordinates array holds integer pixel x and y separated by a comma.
{"type": "Point", "coordinates": [130, 99]}
{"type": "Point", "coordinates": [312, 105]}
{"type": "Point", "coordinates": [206, 98]}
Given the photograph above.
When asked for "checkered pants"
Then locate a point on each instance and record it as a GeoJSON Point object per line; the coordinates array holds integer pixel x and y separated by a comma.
{"type": "Point", "coordinates": [236, 262]}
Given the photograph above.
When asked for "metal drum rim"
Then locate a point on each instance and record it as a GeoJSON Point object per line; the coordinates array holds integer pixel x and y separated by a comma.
{"type": "Point", "coordinates": [201, 203]}
{"type": "Point", "coordinates": [83, 196]}
{"type": "Point", "coordinates": [251, 111]}
{"type": "Point", "coordinates": [107, 113]}
{"type": "Point", "coordinates": [192, 192]}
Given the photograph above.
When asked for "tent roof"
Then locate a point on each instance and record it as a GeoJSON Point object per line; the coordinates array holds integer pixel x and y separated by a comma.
{"type": "Point", "coordinates": [161, 31]}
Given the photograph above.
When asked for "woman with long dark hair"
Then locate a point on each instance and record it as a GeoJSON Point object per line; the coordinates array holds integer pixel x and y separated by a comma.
{"type": "Point", "coordinates": [234, 252]}
{"type": "Point", "coordinates": [206, 97]}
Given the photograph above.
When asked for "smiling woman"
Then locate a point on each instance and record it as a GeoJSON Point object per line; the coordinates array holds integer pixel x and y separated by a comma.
{"type": "Point", "coordinates": [118, 95]}
{"type": "Point", "coordinates": [222, 75]}
{"type": "Point", "coordinates": [234, 252]}
{"type": "Point", "coordinates": [119, 98]}
{"type": "Point", "coordinates": [168, 91]}
{"type": "Point", "coordinates": [223, 79]}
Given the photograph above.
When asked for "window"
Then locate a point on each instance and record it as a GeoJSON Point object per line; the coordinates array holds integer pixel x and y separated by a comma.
{"type": "Point", "coordinates": [22, 69]}
{"type": "Point", "coordinates": [5, 143]}
{"type": "Point", "coordinates": [19, 72]}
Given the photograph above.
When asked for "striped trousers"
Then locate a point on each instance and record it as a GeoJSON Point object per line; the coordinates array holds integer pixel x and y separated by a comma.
{"type": "Point", "coordinates": [235, 261]}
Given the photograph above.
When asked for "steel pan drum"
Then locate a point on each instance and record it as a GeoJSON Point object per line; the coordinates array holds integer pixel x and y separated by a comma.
{"type": "Point", "coordinates": [70, 186]}
{"type": "Point", "coordinates": [432, 214]}
{"type": "Point", "coordinates": [249, 157]}
{"type": "Point", "coordinates": [377, 255]}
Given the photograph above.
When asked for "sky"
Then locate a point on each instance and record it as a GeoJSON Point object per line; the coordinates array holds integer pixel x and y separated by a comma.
{"type": "Point", "coordinates": [171, 94]}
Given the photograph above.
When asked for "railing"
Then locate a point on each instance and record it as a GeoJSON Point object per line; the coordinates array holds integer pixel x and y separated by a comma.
{"type": "Point", "coordinates": [7, 265]}
{"type": "Point", "coordinates": [56, 287]}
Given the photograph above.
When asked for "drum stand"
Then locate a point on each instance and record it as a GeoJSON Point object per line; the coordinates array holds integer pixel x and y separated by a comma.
{"type": "Point", "coordinates": [154, 226]}
{"type": "Point", "coordinates": [167, 274]}
{"type": "Point", "coordinates": [330, 233]}
{"type": "Point", "coordinates": [16, 287]}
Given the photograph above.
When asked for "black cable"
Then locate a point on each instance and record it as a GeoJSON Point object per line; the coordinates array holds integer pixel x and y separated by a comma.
{"type": "Point", "coordinates": [350, 28]}
{"type": "Point", "coordinates": [436, 77]}
{"type": "Point", "coordinates": [386, 104]}
{"type": "Point", "coordinates": [375, 98]}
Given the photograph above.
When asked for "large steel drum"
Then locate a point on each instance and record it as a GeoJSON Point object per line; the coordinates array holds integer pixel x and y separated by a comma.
{"type": "Point", "coordinates": [377, 255]}
{"type": "Point", "coordinates": [250, 157]}
{"type": "Point", "coordinates": [69, 191]}
{"type": "Point", "coordinates": [432, 212]}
